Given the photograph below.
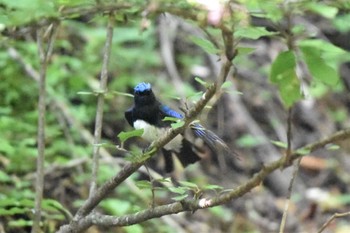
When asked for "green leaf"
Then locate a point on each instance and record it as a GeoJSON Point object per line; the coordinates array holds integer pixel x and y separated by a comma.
{"type": "Point", "coordinates": [178, 190]}
{"type": "Point", "coordinates": [279, 144]}
{"type": "Point", "coordinates": [284, 76]}
{"type": "Point", "coordinates": [20, 223]}
{"type": "Point", "coordinates": [317, 66]}
{"type": "Point", "coordinates": [249, 141]}
{"type": "Point", "coordinates": [201, 81]}
{"type": "Point", "coordinates": [177, 124]}
{"type": "Point", "coordinates": [206, 45]}
{"type": "Point", "coordinates": [253, 32]}
{"type": "Point", "coordinates": [226, 84]}
{"type": "Point", "coordinates": [180, 197]}
{"type": "Point", "coordinates": [303, 151]}
{"type": "Point", "coordinates": [188, 184]}
{"type": "Point", "coordinates": [245, 50]}
{"type": "Point", "coordinates": [136, 228]}
{"type": "Point", "coordinates": [173, 119]}
{"type": "Point", "coordinates": [115, 206]}
{"type": "Point", "coordinates": [144, 184]}
{"type": "Point", "coordinates": [213, 187]}
{"type": "Point", "coordinates": [123, 136]}
{"type": "Point", "coordinates": [324, 10]}
{"type": "Point", "coordinates": [332, 146]}
{"type": "Point", "coordinates": [86, 93]}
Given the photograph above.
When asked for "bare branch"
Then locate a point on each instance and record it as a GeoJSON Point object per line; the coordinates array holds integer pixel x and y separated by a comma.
{"type": "Point", "coordinates": [100, 103]}
{"type": "Point", "coordinates": [44, 56]}
{"type": "Point", "coordinates": [334, 216]}
{"type": "Point", "coordinates": [192, 205]}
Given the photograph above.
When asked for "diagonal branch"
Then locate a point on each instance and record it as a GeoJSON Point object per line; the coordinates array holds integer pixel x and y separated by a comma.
{"type": "Point", "coordinates": [192, 205]}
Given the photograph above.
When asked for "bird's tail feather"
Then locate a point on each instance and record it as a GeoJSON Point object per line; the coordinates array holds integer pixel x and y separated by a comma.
{"type": "Point", "coordinates": [215, 143]}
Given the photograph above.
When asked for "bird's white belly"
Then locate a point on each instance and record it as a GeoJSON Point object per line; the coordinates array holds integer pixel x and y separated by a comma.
{"type": "Point", "coordinates": [152, 133]}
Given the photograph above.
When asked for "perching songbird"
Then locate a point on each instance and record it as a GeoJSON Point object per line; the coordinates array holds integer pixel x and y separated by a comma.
{"type": "Point", "coordinates": [148, 114]}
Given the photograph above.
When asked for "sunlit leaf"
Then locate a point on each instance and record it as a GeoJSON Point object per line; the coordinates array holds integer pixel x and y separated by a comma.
{"type": "Point", "coordinates": [123, 136]}
{"type": "Point", "coordinates": [283, 74]}
{"type": "Point", "coordinates": [318, 67]}
{"type": "Point", "coordinates": [279, 144]}
{"type": "Point", "coordinates": [205, 44]}
{"type": "Point", "coordinates": [177, 124]}
{"type": "Point", "coordinates": [326, 11]}
{"type": "Point", "coordinates": [173, 119]}
{"type": "Point", "coordinates": [253, 32]}
{"type": "Point", "coordinates": [201, 81]}
{"type": "Point", "coordinates": [144, 184]}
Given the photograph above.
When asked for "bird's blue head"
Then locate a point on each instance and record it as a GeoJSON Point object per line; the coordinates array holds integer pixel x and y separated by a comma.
{"type": "Point", "coordinates": [143, 94]}
{"type": "Point", "coordinates": [142, 87]}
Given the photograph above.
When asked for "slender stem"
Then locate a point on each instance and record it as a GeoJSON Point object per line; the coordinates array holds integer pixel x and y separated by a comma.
{"type": "Point", "coordinates": [39, 185]}
{"type": "Point", "coordinates": [334, 216]}
{"type": "Point", "coordinates": [289, 195]}
{"type": "Point", "coordinates": [100, 104]}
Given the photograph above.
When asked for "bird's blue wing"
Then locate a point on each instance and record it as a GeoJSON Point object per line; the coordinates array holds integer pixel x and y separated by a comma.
{"type": "Point", "coordinates": [169, 112]}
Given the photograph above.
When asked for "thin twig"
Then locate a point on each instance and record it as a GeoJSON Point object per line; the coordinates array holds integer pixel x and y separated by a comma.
{"type": "Point", "coordinates": [289, 134]}
{"type": "Point", "coordinates": [334, 216]}
{"type": "Point", "coordinates": [44, 56]}
{"type": "Point", "coordinates": [289, 195]}
{"type": "Point", "coordinates": [100, 104]}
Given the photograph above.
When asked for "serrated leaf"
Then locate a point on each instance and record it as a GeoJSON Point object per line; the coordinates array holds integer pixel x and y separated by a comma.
{"type": "Point", "coordinates": [180, 198]}
{"type": "Point", "coordinates": [279, 144]}
{"type": "Point", "coordinates": [205, 44]}
{"type": "Point", "coordinates": [253, 32]}
{"type": "Point", "coordinates": [123, 136]}
{"type": "Point", "coordinates": [317, 66]}
{"type": "Point", "coordinates": [284, 76]}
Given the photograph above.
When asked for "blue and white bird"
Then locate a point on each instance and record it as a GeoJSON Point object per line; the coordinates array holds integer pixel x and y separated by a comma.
{"type": "Point", "coordinates": [148, 114]}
